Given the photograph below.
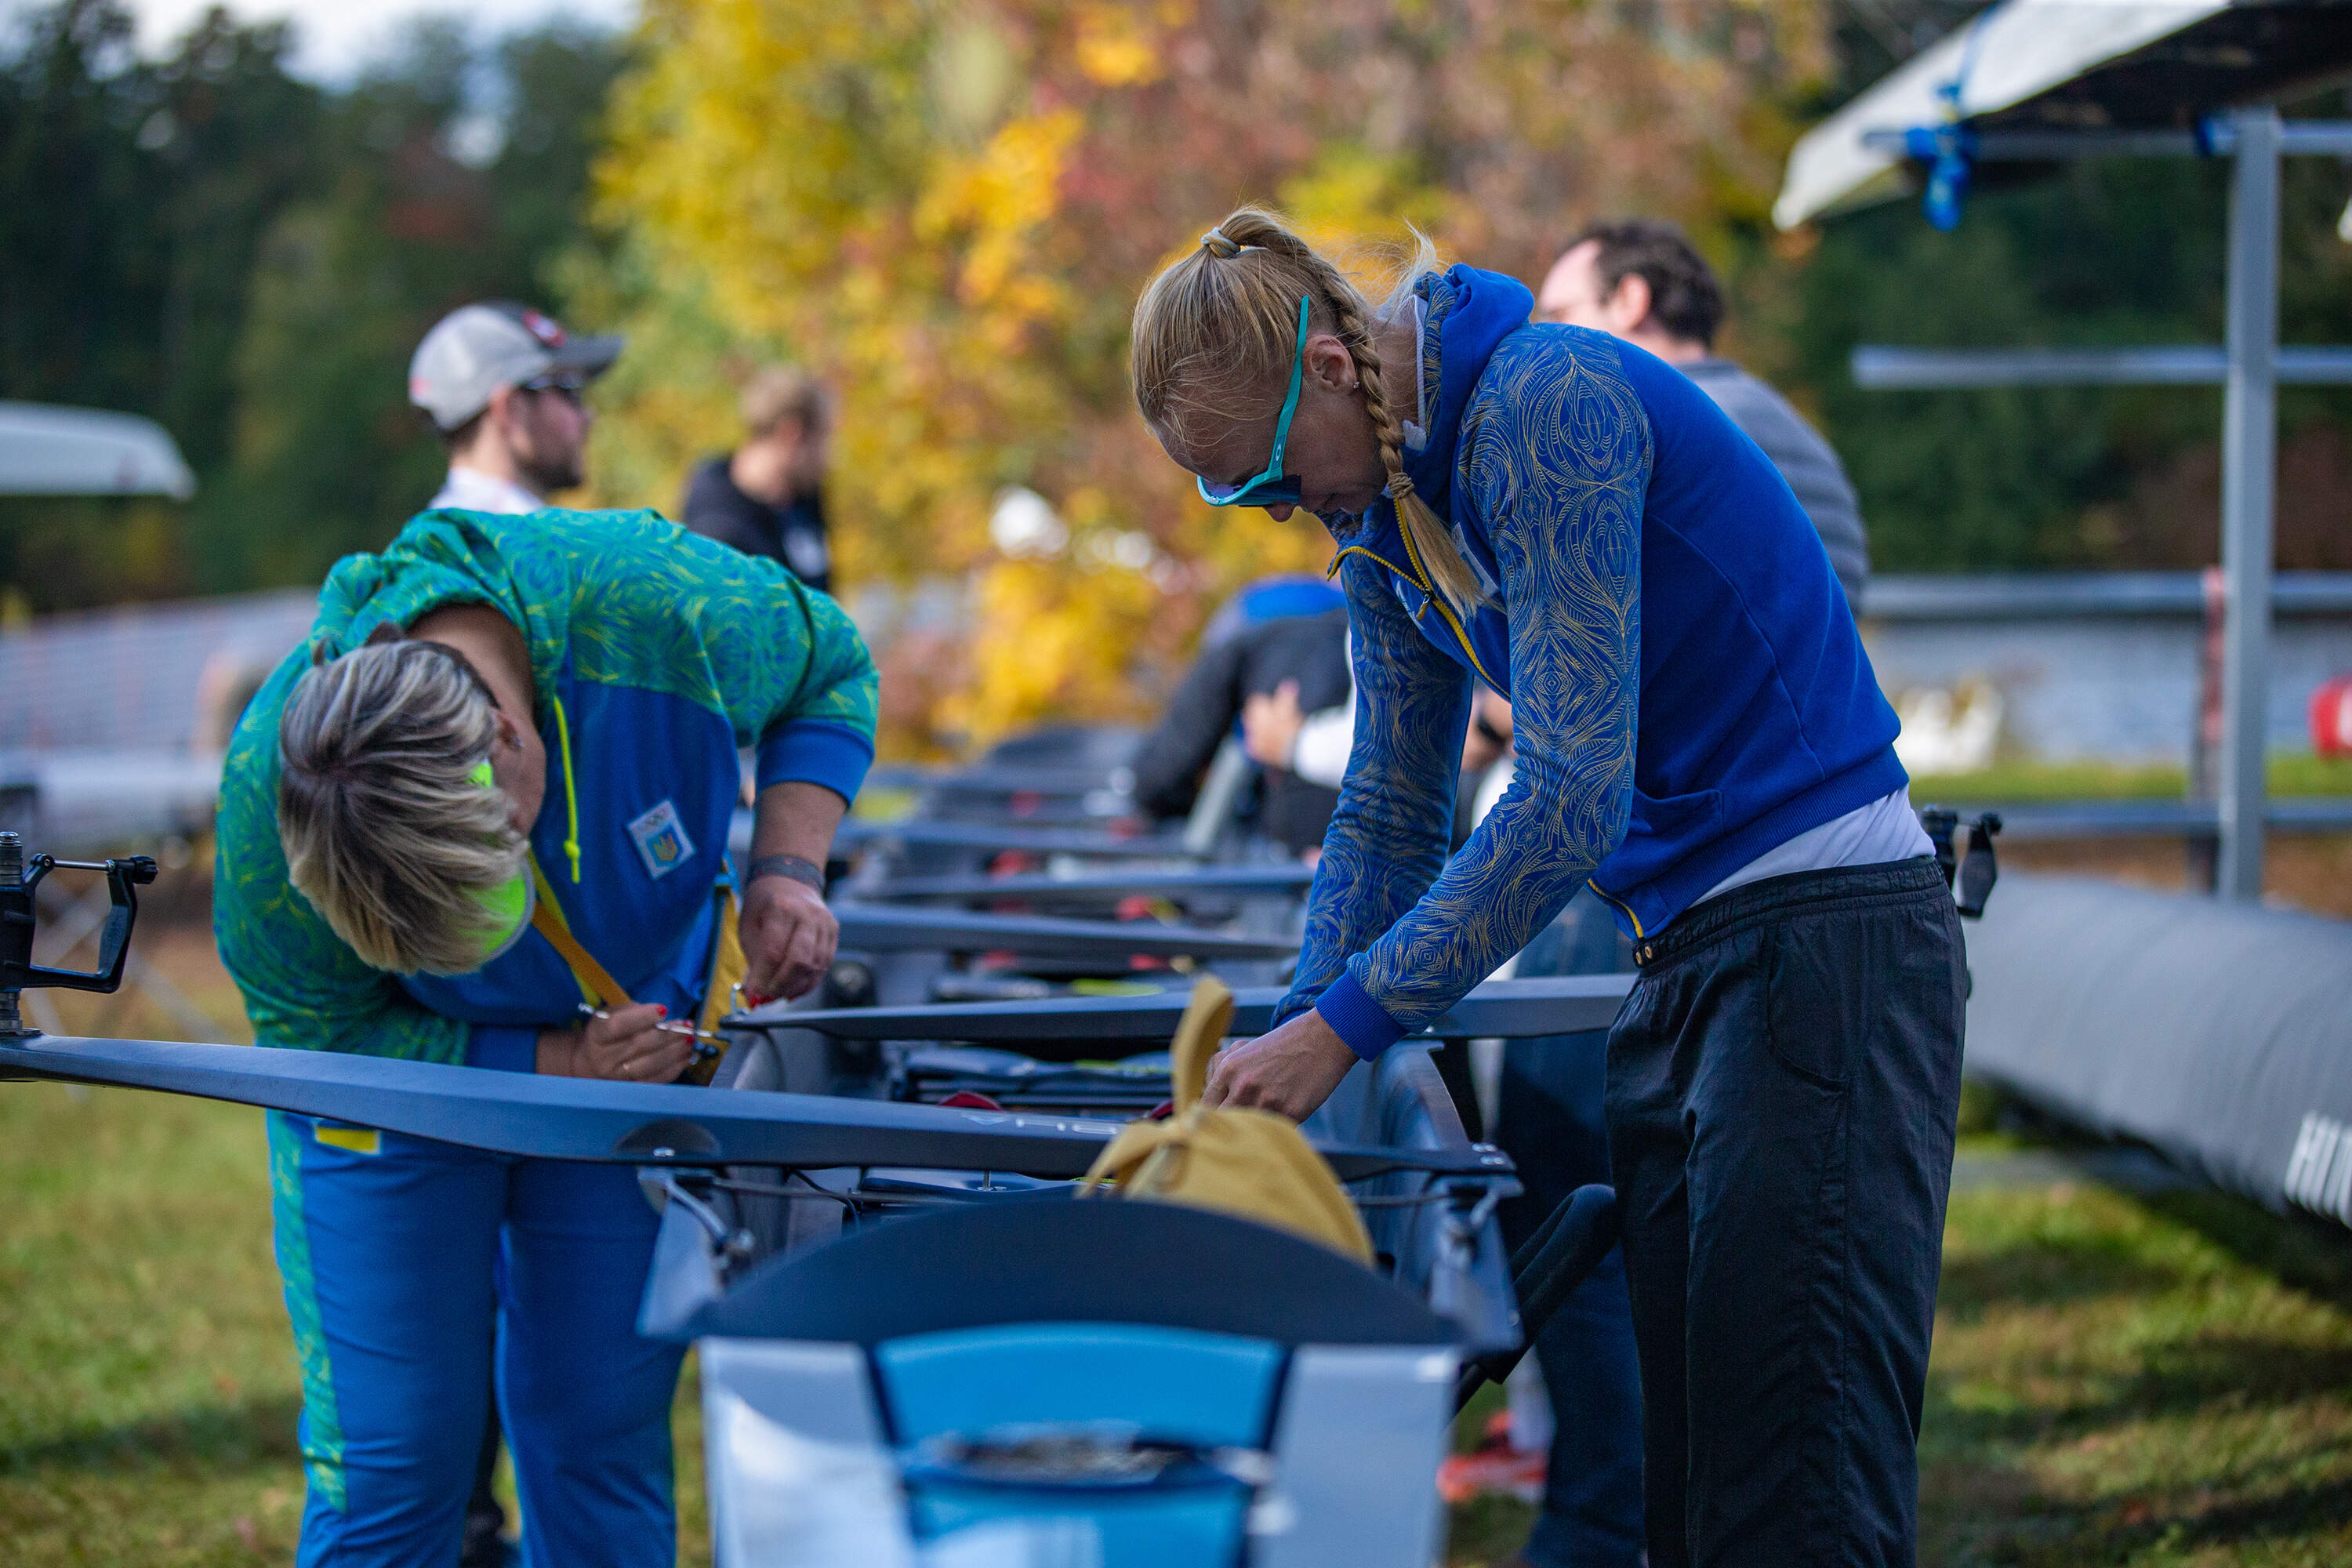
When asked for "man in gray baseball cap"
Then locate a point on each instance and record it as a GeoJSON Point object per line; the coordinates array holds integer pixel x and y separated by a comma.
{"type": "Point", "coordinates": [501, 384]}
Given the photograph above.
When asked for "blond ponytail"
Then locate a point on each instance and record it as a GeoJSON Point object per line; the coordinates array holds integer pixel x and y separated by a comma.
{"type": "Point", "coordinates": [1213, 335]}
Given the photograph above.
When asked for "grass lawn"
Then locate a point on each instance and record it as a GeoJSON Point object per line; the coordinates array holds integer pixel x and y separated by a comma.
{"type": "Point", "coordinates": [2289, 774]}
{"type": "Point", "coordinates": [2161, 1380]}
{"type": "Point", "coordinates": [148, 1389]}
{"type": "Point", "coordinates": [2118, 1380]}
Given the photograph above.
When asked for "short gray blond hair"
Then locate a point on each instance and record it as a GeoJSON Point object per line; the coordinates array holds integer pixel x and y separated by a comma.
{"type": "Point", "coordinates": [384, 829]}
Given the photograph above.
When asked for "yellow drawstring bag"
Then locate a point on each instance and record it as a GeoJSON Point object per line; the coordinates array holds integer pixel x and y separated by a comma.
{"type": "Point", "coordinates": [1253, 1163]}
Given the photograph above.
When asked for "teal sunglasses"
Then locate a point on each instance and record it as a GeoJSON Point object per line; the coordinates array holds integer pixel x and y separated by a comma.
{"type": "Point", "coordinates": [1272, 487]}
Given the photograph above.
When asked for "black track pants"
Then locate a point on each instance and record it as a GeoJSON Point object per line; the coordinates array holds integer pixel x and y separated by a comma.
{"type": "Point", "coordinates": [1784, 1082]}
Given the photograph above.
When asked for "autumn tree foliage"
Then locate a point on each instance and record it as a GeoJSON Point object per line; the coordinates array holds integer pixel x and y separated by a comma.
{"type": "Point", "coordinates": [949, 209]}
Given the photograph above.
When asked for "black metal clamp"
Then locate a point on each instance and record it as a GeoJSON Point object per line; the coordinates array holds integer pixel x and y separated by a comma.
{"type": "Point", "coordinates": [19, 878]}
{"type": "Point", "coordinates": [1979, 872]}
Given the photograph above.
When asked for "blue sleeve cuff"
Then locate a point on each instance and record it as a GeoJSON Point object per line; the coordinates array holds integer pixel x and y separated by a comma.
{"type": "Point", "coordinates": [818, 752]}
{"type": "Point", "coordinates": [1356, 1018]}
{"type": "Point", "coordinates": [502, 1049]}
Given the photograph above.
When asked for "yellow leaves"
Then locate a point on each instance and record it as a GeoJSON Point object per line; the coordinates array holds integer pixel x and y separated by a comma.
{"type": "Point", "coordinates": [1350, 191]}
{"type": "Point", "coordinates": [996, 202]}
{"type": "Point", "coordinates": [948, 209]}
{"type": "Point", "coordinates": [1114, 45]}
{"type": "Point", "coordinates": [1049, 644]}
{"type": "Point", "coordinates": [766, 140]}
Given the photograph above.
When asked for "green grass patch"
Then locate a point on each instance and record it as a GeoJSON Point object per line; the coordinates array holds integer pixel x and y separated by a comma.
{"type": "Point", "coordinates": [148, 1388]}
{"type": "Point", "coordinates": [2290, 772]}
{"type": "Point", "coordinates": [2151, 1382]}
{"type": "Point", "coordinates": [2160, 1381]}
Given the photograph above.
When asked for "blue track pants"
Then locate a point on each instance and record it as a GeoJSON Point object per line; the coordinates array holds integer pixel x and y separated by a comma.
{"type": "Point", "coordinates": [394, 1252]}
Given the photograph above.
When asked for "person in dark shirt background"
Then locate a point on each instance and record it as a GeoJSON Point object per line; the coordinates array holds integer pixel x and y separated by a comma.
{"type": "Point", "coordinates": [1303, 654]}
{"type": "Point", "coordinates": [766, 497]}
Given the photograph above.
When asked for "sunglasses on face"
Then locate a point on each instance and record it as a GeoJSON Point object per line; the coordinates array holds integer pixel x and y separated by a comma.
{"type": "Point", "coordinates": [566, 385]}
{"type": "Point", "coordinates": [1272, 487]}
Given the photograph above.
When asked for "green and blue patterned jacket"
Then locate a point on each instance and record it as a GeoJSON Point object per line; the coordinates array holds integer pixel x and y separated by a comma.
{"type": "Point", "coordinates": [656, 655]}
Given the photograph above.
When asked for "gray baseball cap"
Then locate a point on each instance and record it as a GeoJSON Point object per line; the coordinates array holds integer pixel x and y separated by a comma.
{"type": "Point", "coordinates": [475, 349]}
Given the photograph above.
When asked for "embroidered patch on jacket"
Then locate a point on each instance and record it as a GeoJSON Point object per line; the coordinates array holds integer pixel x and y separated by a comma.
{"type": "Point", "coordinates": [661, 839]}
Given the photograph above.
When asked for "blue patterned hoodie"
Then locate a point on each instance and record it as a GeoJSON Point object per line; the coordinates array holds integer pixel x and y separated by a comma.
{"type": "Point", "coordinates": [655, 654]}
{"type": "Point", "coordinates": [1688, 687]}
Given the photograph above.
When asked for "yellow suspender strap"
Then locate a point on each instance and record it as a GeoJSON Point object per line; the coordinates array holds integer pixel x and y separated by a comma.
{"type": "Point", "coordinates": [1438, 599]}
{"type": "Point", "coordinates": [596, 983]}
{"type": "Point", "coordinates": [1426, 587]}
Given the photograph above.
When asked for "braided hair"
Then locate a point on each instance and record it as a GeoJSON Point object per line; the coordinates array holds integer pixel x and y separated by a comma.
{"type": "Point", "coordinates": [1212, 340]}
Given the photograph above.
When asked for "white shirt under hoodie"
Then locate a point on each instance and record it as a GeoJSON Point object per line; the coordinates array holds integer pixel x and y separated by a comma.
{"type": "Point", "coordinates": [1886, 829]}
{"type": "Point", "coordinates": [470, 490]}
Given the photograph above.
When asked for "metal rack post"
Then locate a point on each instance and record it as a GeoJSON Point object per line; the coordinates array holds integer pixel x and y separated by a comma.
{"type": "Point", "coordinates": [2249, 365]}
{"type": "Point", "coordinates": [2249, 477]}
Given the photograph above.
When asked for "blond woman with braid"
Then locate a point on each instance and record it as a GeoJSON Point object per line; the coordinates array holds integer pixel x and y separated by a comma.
{"type": "Point", "coordinates": [1700, 738]}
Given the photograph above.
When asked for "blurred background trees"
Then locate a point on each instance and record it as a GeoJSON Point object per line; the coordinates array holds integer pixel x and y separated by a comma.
{"type": "Point", "coordinates": [947, 210]}
{"type": "Point", "coordinates": [249, 259]}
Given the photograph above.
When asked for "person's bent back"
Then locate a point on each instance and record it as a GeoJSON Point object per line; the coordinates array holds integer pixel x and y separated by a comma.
{"type": "Point", "coordinates": [481, 818]}
{"type": "Point", "coordinates": [1304, 656]}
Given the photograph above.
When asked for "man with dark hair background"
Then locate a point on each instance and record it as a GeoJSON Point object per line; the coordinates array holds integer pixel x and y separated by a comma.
{"type": "Point", "coordinates": [1640, 279]}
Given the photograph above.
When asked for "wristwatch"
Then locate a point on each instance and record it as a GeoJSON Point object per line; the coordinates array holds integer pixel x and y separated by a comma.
{"type": "Point", "coordinates": [800, 868]}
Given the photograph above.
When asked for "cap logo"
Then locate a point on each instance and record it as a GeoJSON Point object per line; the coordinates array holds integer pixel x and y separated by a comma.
{"type": "Point", "coordinates": [543, 329]}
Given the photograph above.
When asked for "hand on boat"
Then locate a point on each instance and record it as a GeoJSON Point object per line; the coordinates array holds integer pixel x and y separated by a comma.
{"type": "Point", "coordinates": [789, 936]}
{"type": "Point", "coordinates": [1290, 1071]}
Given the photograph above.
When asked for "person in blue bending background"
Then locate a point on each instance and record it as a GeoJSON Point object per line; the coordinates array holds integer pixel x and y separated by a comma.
{"type": "Point", "coordinates": [1701, 740]}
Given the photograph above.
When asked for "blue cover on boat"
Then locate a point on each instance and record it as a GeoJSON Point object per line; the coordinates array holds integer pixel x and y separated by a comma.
{"type": "Point", "coordinates": [1177, 1386]}
{"type": "Point", "coordinates": [1048, 1258]}
{"type": "Point", "coordinates": [1140, 1527]}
